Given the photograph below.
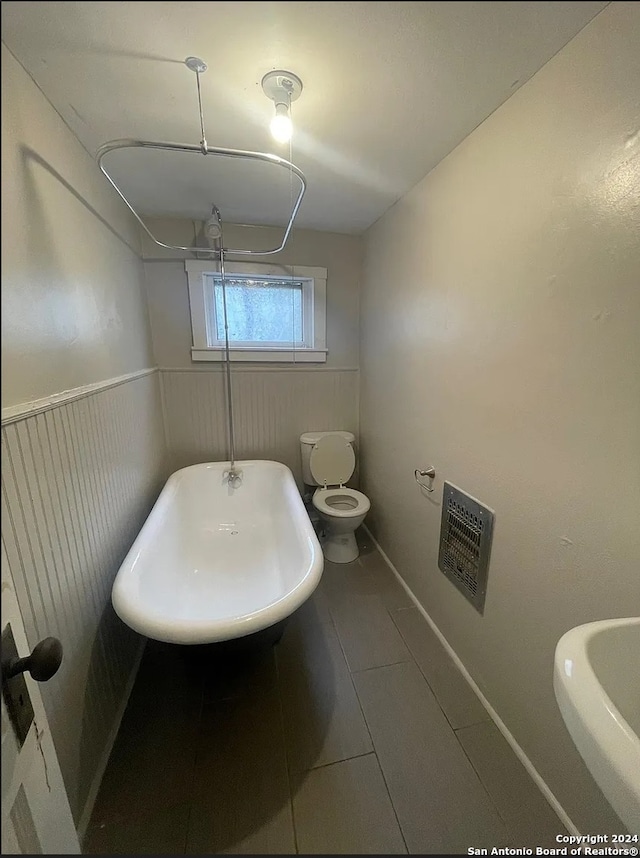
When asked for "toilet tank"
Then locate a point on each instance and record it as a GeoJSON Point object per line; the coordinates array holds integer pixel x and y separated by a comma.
{"type": "Point", "coordinates": [307, 440]}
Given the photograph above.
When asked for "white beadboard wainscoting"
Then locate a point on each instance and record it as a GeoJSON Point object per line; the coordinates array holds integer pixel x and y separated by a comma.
{"type": "Point", "coordinates": [79, 477]}
{"type": "Point", "coordinates": [272, 408]}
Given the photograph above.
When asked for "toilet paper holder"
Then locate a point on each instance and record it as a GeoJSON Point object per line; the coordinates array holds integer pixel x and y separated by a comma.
{"type": "Point", "coordinates": [428, 472]}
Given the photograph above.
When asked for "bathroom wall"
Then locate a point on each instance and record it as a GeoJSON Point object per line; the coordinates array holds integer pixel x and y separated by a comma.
{"type": "Point", "coordinates": [500, 319]}
{"type": "Point", "coordinates": [273, 404]}
{"type": "Point", "coordinates": [82, 436]}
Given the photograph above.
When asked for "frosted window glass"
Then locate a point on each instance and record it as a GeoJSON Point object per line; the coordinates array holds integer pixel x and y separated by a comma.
{"type": "Point", "coordinates": [260, 311]}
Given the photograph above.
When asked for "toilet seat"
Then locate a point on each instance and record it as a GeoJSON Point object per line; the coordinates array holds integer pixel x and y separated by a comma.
{"type": "Point", "coordinates": [332, 461]}
{"type": "Point", "coordinates": [324, 497]}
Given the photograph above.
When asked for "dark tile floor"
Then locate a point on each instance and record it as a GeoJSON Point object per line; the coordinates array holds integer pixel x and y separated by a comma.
{"type": "Point", "coordinates": [355, 734]}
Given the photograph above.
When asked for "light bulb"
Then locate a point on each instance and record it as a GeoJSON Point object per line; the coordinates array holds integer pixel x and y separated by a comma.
{"type": "Point", "coordinates": [281, 126]}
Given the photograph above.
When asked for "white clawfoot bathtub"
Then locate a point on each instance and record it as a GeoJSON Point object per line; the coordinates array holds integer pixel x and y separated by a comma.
{"type": "Point", "coordinates": [214, 562]}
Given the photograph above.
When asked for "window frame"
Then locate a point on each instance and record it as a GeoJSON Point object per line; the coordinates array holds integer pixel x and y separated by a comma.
{"type": "Point", "coordinates": [314, 297]}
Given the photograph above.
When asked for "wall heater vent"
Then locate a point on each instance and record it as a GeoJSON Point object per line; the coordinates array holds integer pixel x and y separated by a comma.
{"type": "Point", "coordinates": [466, 530]}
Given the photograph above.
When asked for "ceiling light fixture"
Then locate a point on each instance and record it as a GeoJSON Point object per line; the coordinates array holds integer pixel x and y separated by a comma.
{"type": "Point", "coordinates": [282, 87]}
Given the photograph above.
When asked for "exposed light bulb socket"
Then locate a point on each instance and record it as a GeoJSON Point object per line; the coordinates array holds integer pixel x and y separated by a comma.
{"type": "Point", "coordinates": [282, 87]}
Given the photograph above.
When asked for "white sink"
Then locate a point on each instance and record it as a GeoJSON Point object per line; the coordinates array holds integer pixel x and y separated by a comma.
{"type": "Point", "coordinates": [596, 679]}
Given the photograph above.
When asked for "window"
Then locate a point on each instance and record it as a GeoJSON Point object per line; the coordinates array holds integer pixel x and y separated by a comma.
{"type": "Point", "coordinates": [274, 312]}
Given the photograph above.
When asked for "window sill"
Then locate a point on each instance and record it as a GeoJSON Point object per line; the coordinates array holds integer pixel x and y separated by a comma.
{"type": "Point", "coordinates": [262, 355]}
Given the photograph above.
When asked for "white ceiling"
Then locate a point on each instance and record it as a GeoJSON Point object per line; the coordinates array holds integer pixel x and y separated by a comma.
{"type": "Point", "coordinates": [389, 89]}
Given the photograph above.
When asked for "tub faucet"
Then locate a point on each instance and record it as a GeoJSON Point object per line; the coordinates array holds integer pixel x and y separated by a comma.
{"type": "Point", "coordinates": [233, 477]}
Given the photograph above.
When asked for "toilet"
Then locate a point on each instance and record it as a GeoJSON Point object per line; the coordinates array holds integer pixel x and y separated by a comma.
{"type": "Point", "coordinates": [328, 461]}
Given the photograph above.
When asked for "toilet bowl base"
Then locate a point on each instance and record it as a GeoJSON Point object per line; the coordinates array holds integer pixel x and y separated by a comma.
{"type": "Point", "coordinates": [340, 547]}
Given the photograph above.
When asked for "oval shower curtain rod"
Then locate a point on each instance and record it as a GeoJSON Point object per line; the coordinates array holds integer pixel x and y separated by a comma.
{"type": "Point", "coordinates": [195, 64]}
{"type": "Point", "coordinates": [114, 145]}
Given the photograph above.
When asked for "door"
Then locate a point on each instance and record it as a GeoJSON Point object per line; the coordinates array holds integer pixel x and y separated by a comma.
{"type": "Point", "coordinates": [36, 818]}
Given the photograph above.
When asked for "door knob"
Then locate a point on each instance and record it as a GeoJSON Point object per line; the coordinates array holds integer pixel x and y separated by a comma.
{"type": "Point", "coordinates": [42, 664]}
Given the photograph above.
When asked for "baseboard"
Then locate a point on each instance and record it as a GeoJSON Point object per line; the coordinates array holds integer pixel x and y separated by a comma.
{"type": "Point", "coordinates": [97, 779]}
{"type": "Point", "coordinates": [537, 778]}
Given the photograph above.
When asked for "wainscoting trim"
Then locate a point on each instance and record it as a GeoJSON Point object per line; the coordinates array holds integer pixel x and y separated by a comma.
{"type": "Point", "coordinates": [537, 778]}
{"type": "Point", "coordinates": [239, 367]}
{"type": "Point", "coordinates": [13, 413]}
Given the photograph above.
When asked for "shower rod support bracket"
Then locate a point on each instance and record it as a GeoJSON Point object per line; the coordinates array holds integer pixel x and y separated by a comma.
{"type": "Point", "coordinates": [195, 64]}
{"type": "Point", "coordinates": [199, 67]}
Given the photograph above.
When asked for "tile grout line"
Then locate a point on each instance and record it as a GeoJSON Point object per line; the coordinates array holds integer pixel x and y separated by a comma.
{"type": "Point", "coordinates": [364, 717]}
{"type": "Point", "coordinates": [484, 786]}
{"type": "Point", "coordinates": [366, 723]}
{"type": "Point", "coordinates": [353, 685]}
{"type": "Point", "coordinates": [337, 631]}
{"type": "Point", "coordinates": [424, 675]}
{"type": "Point", "coordinates": [453, 729]}
{"type": "Point", "coordinates": [384, 780]}
{"type": "Point", "coordinates": [414, 660]}
{"type": "Point", "coordinates": [336, 762]}
{"type": "Point", "coordinates": [368, 753]}
{"type": "Point", "coordinates": [475, 724]}
{"type": "Point", "coordinates": [380, 666]}
{"type": "Point", "coordinates": [435, 696]}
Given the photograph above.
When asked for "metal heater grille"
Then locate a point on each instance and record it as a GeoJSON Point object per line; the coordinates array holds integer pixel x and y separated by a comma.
{"type": "Point", "coordinates": [466, 530]}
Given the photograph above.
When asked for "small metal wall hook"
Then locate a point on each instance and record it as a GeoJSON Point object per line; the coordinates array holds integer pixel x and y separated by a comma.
{"type": "Point", "coordinates": [429, 472]}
